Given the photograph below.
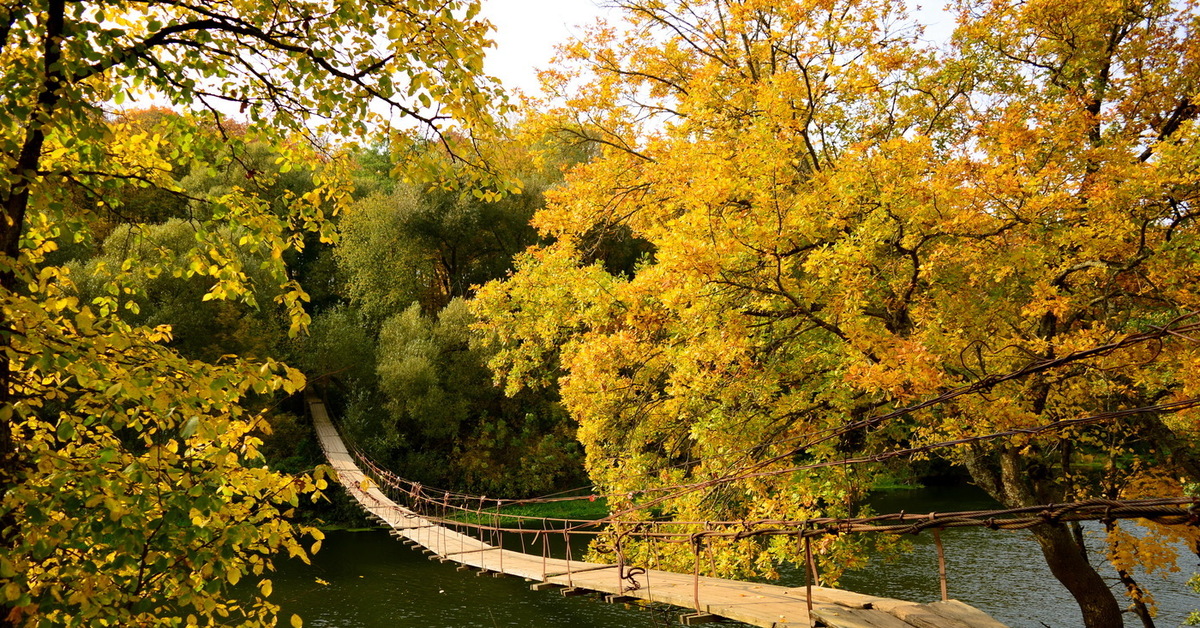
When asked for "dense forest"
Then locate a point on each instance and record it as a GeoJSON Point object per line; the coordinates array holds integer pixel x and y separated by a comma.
{"type": "Point", "coordinates": [734, 245]}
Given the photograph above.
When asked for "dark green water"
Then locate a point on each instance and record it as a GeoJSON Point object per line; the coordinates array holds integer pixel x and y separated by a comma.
{"type": "Point", "coordinates": [374, 581]}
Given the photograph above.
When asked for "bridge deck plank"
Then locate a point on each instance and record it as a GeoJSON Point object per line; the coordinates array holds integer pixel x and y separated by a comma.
{"type": "Point", "coordinates": [764, 605]}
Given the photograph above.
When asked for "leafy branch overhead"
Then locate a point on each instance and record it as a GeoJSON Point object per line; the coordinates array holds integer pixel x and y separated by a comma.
{"type": "Point", "coordinates": [303, 58]}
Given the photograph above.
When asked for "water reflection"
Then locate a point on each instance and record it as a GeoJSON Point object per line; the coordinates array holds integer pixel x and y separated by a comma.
{"type": "Point", "coordinates": [374, 581]}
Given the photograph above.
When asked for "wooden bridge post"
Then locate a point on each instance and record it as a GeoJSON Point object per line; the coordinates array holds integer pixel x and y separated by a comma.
{"type": "Point", "coordinates": [810, 574]}
{"type": "Point", "coordinates": [545, 551]}
{"type": "Point", "coordinates": [701, 616]}
{"type": "Point", "coordinates": [941, 552]}
{"type": "Point", "coordinates": [620, 559]}
{"type": "Point", "coordinates": [567, 541]}
{"type": "Point", "coordinates": [696, 540]}
{"type": "Point", "coordinates": [442, 528]}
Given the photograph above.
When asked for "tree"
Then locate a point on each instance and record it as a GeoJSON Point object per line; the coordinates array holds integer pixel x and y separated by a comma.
{"type": "Point", "coordinates": [432, 244]}
{"type": "Point", "coordinates": [443, 423]}
{"type": "Point", "coordinates": [97, 413]}
{"type": "Point", "coordinates": [846, 221]}
{"type": "Point", "coordinates": [410, 255]}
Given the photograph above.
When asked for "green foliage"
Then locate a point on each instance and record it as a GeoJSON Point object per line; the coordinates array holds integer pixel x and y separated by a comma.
{"type": "Point", "coordinates": [450, 425]}
{"type": "Point", "coordinates": [338, 345]}
{"type": "Point", "coordinates": [428, 246]}
{"type": "Point", "coordinates": [372, 172]}
{"type": "Point", "coordinates": [146, 491]}
{"type": "Point", "coordinates": [132, 486]}
{"type": "Point", "coordinates": [385, 270]}
{"type": "Point", "coordinates": [409, 255]}
{"type": "Point", "coordinates": [257, 169]}
{"type": "Point", "coordinates": [423, 366]}
{"type": "Point", "coordinates": [200, 329]}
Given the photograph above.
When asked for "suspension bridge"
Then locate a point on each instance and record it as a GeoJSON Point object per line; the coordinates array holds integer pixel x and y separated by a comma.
{"type": "Point", "coordinates": [425, 522]}
{"type": "Point", "coordinates": [708, 599]}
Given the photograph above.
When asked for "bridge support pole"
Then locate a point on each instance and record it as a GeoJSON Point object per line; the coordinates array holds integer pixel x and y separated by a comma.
{"type": "Point", "coordinates": [937, 540]}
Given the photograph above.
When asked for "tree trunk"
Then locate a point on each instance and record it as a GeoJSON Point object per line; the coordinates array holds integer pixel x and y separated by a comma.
{"type": "Point", "coordinates": [1068, 562]}
{"type": "Point", "coordinates": [1005, 476]}
{"type": "Point", "coordinates": [14, 206]}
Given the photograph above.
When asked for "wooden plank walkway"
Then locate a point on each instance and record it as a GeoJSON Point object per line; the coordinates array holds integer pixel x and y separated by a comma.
{"type": "Point", "coordinates": [758, 604]}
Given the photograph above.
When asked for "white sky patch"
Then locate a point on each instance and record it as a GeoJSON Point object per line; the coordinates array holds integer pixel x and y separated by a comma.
{"type": "Point", "coordinates": [526, 32]}
{"type": "Point", "coordinates": [937, 17]}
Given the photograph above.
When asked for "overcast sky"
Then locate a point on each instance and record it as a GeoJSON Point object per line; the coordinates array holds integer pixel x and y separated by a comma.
{"type": "Point", "coordinates": [526, 33]}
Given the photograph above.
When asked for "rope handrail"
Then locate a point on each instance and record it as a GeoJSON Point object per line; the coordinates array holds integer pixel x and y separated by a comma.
{"type": "Point", "coordinates": [418, 492]}
{"type": "Point", "coordinates": [1167, 510]}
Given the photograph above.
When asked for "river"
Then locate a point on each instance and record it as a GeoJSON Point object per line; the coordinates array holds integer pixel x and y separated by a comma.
{"type": "Point", "coordinates": [369, 580]}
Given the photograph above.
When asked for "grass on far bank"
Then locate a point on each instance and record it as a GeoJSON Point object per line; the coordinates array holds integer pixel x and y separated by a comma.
{"type": "Point", "coordinates": [585, 509]}
{"type": "Point", "coordinates": [884, 486]}
{"type": "Point", "coordinates": [579, 509]}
